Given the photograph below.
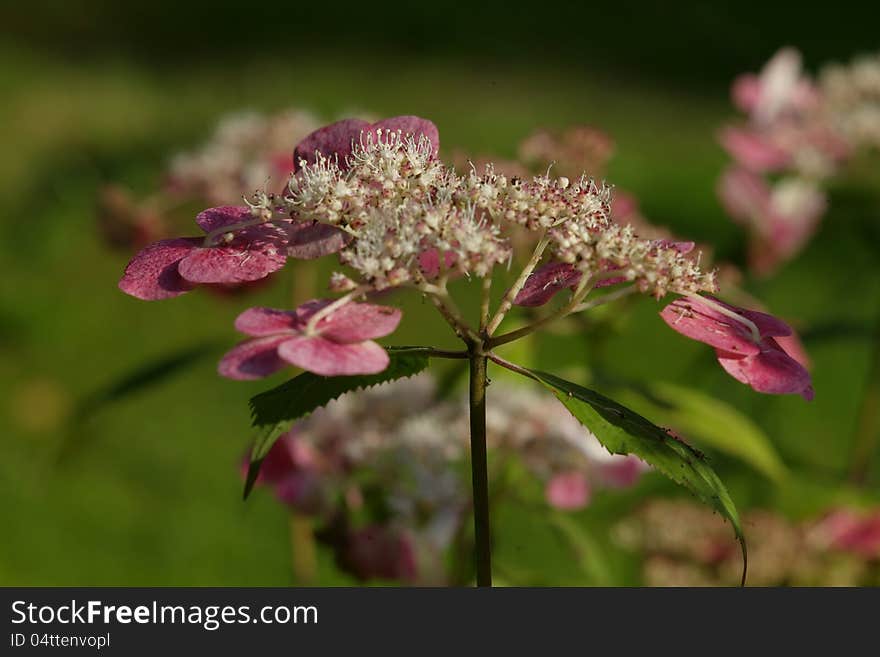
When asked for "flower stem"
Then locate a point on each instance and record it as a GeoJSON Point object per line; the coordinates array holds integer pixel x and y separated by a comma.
{"type": "Point", "coordinates": [444, 303]}
{"type": "Point", "coordinates": [304, 559]}
{"type": "Point", "coordinates": [573, 305]}
{"type": "Point", "coordinates": [479, 467]}
{"type": "Point", "coordinates": [485, 300]}
{"type": "Point", "coordinates": [507, 301]}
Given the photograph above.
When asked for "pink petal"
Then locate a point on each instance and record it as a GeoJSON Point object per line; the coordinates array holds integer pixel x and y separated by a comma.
{"type": "Point", "coordinates": [301, 490]}
{"type": "Point", "coordinates": [793, 215]}
{"type": "Point", "coordinates": [429, 262]}
{"type": "Point", "coordinates": [260, 322]}
{"type": "Point", "coordinates": [623, 206]}
{"type": "Point", "coordinates": [746, 92]}
{"type": "Point", "coordinates": [253, 359]}
{"type": "Point", "coordinates": [753, 151]}
{"type": "Point", "coordinates": [545, 282]}
{"type": "Point", "coordinates": [771, 371]}
{"type": "Point", "coordinates": [231, 264]}
{"type": "Point", "coordinates": [277, 464]}
{"type": "Point", "coordinates": [793, 346]}
{"type": "Point", "coordinates": [282, 166]}
{"type": "Point", "coordinates": [153, 273]}
{"type": "Point", "coordinates": [744, 195]}
{"type": "Point", "coordinates": [308, 241]}
{"type": "Point", "coordinates": [700, 322]}
{"type": "Point", "coordinates": [779, 82]}
{"type": "Point", "coordinates": [608, 282]}
{"type": "Point", "coordinates": [225, 215]}
{"type": "Point", "coordinates": [337, 138]}
{"type": "Point", "coordinates": [327, 358]}
{"type": "Point", "coordinates": [568, 490]}
{"type": "Point", "coordinates": [413, 126]}
{"type": "Point", "coordinates": [844, 530]}
{"type": "Point", "coordinates": [353, 322]}
{"type": "Point", "coordinates": [682, 247]}
{"type": "Point", "coordinates": [622, 472]}
{"type": "Point", "coordinates": [378, 551]}
{"type": "Point", "coordinates": [768, 325]}
{"type": "Point", "coordinates": [334, 139]}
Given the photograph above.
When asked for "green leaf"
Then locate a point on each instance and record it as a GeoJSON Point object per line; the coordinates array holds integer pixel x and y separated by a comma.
{"type": "Point", "coordinates": [273, 411]}
{"type": "Point", "coordinates": [622, 431]}
{"type": "Point", "coordinates": [710, 422]}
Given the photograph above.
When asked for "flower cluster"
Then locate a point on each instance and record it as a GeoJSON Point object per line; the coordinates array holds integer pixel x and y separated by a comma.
{"type": "Point", "coordinates": [852, 96]}
{"type": "Point", "coordinates": [797, 134]}
{"type": "Point", "coordinates": [686, 545]}
{"type": "Point", "coordinates": [572, 151]}
{"type": "Point", "coordinates": [400, 204]}
{"type": "Point", "coordinates": [378, 195]}
{"type": "Point", "coordinates": [398, 448]}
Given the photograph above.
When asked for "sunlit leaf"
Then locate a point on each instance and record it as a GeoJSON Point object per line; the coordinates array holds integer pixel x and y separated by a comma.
{"type": "Point", "coordinates": [710, 422]}
{"type": "Point", "coordinates": [623, 431]}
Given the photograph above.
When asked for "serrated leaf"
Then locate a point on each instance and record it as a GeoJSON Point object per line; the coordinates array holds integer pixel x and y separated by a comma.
{"type": "Point", "coordinates": [306, 392]}
{"type": "Point", "coordinates": [623, 431]}
{"type": "Point", "coordinates": [711, 422]}
{"type": "Point", "coordinates": [273, 411]}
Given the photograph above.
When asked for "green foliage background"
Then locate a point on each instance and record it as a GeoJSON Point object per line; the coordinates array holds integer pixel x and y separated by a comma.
{"type": "Point", "coordinates": [146, 490]}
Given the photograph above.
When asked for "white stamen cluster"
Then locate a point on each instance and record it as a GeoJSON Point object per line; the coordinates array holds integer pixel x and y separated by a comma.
{"type": "Point", "coordinates": [403, 207]}
{"type": "Point", "coordinates": [852, 94]}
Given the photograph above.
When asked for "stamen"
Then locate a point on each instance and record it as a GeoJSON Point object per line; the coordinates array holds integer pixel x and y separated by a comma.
{"type": "Point", "coordinates": [756, 334]}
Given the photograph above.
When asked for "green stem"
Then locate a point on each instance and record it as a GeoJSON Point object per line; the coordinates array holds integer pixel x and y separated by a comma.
{"type": "Point", "coordinates": [479, 466]}
{"type": "Point", "coordinates": [303, 554]}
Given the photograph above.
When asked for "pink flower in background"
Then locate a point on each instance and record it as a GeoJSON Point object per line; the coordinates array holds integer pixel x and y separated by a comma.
{"type": "Point", "coordinates": [171, 267]}
{"type": "Point", "coordinates": [848, 531]}
{"type": "Point", "coordinates": [337, 138]}
{"type": "Point", "coordinates": [779, 88]}
{"type": "Point", "coordinates": [753, 150]}
{"type": "Point", "coordinates": [380, 552]}
{"type": "Point", "coordinates": [622, 472]}
{"type": "Point", "coordinates": [744, 344]}
{"type": "Point", "coordinates": [793, 135]}
{"type": "Point", "coordinates": [293, 470]}
{"type": "Point", "coordinates": [782, 218]}
{"type": "Point", "coordinates": [568, 490]}
{"type": "Point", "coordinates": [339, 344]}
